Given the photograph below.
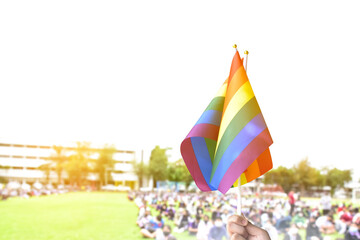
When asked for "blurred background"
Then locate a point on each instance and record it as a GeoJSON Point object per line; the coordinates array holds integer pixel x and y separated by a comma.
{"type": "Point", "coordinates": [96, 98]}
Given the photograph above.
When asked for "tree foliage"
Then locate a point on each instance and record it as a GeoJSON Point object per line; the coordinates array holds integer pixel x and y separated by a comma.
{"type": "Point", "coordinates": [46, 168]}
{"type": "Point", "coordinates": [60, 158]}
{"type": "Point", "coordinates": [79, 166]}
{"type": "Point", "coordinates": [303, 177]}
{"type": "Point", "coordinates": [158, 164]}
{"type": "Point", "coordinates": [178, 172]}
{"type": "Point", "coordinates": [141, 170]}
{"type": "Point", "coordinates": [105, 163]}
{"type": "Point", "coordinates": [281, 176]}
{"type": "Point", "coordinates": [336, 178]}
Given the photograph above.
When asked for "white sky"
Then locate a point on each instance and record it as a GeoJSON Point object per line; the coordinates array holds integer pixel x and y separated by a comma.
{"type": "Point", "coordinates": [140, 73]}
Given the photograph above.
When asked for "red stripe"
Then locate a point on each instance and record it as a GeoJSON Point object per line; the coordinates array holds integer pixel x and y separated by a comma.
{"type": "Point", "coordinates": [190, 160]}
{"type": "Point", "coordinates": [251, 152]}
{"type": "Point", "coordinates": [204, 130]}
{"type": "Point", "coordinates": [265, 162]}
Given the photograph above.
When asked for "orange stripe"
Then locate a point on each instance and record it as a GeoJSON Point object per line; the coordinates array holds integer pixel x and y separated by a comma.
{"type": "Point", "coordinates": [259, 167]}
{"type": "Point", "coordinates": [237, 79]}
{"type": "Point", "coordinates": [252, 171]}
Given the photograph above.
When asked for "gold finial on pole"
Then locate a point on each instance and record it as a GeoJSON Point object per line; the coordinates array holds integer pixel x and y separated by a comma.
{"type": "Point", "coordinates": [246, 59]}
{"type": "Point", "coordinates": [235, 46]}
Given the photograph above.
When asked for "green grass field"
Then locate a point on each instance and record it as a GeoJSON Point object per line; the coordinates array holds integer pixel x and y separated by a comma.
{"type": "Point", "coordinates": [82, 215]}
{"type": "Point", "coordinates": [70, 216]}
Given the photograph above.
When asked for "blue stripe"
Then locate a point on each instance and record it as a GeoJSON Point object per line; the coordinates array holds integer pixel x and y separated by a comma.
{"type": "Point", "coordinates": [211, 117]}
{"type": "Point", "coordinates": [240, 142]}
{"type": "Point", "coordinates": [202, 156]}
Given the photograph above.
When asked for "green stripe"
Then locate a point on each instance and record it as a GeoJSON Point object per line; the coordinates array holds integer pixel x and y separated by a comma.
{"type": "Point", "coordinates": [216, 104]}
{"type": "Point", "coordinates": [241, 119]}
{"type": "Point", "coordinates": [211, 145]}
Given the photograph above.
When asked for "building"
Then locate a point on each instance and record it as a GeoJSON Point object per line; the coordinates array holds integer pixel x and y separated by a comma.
{"type": "Point", "coordinates": [24, 163]}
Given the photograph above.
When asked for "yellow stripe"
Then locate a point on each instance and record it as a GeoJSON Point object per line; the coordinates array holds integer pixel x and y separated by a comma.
{"type": "Point", "coordinates": [241, 97]}
{"type": "Point", "coordinates": [222, 91]}
{"type": "Point", "coordinates": [243, 180]}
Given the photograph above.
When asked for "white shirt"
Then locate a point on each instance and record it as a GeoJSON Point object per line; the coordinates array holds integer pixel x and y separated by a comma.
{"type": "Point", "coordinates": [203, 230]}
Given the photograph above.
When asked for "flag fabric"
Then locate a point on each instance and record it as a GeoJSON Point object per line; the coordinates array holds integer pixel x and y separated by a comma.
{"type": "Point", "coordinates": [231, 138]}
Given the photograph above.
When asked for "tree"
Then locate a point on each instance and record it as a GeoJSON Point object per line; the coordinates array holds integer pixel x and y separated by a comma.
{"type": "Point", "coordinates": [2, 179]}
{"type": "Point", "coordinates": [281, 176]}
{"type": "Point", "coordinates": [105, 163]}
{"type": "Point", "coordinates": [305, 175]}
{"type": "Point", "coordinates": [336, 178]}
{"type": "Point", "coordinates": [178, 172]}
{"type": "Point", "coordinates": [60, 160]}
{"type": "Point", "coordinates": [158, 164]}
{"type": "Point", "coordinates": [78, 166]}
{"type": "Point", "coordinates": [46, 168]}
{"type": "Point", "coordinates": [141, 170]}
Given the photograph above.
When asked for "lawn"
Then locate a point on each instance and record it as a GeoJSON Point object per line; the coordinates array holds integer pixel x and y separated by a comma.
{"type": "Point", "coordinates": [81, 215]}
{"type": "Point", "coordinates": [70, 216]}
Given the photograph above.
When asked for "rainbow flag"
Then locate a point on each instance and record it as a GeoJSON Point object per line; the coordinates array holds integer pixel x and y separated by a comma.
{"type": "Point", "coordinates": [231, 139]}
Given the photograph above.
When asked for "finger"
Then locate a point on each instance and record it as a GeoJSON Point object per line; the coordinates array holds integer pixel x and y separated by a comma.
{"type": "Point", "coordinates": [234, 228]}
{"type": "Point", "coordinates": [237, 237]}
{"type": "Point", "coordinates": [240, 220]}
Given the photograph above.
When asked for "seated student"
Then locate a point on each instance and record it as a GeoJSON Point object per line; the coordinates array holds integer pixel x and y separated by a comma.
{"type": "Point", "coordinates": [183, 222]}
{"type": "Point", "coordinates": [353, 232]}
{"type": "Point", "coordinates": [270, 228]}
{"type": "Point", "coordinates": [299, 219]}
{"type": "Point", "coordinates": [312, 230]}
{"type": "Point", "coordinates": [171, 213]}
{"type": "Point", "coordinates": [150, 228]}
{"type": "Point", "coordinates": [292, 233]}
{"type": "Point", "coordinates": [182, 205]}
{"type": "Point", "coordinates": [225, 216]}
{"type": "Point", "coordinates": [218, 231]}
{"type": "Point", "coordinates": [204, 228]}
{"type": "Point", "coordinates": [164, 209]}
{"type": "Point", "coordinates": [193, 227]}
{"type": "Point", "coordinates": [343, 223]}
{"type": "Point", "coordinates": [144, 220]}
{"type": "Point", "coordinates": [283, 223]}
{"type": "Point", "coordinates": [199, 210]}
{"type": "Point", "coordinates": [216, 213]}
{"type": "Point", "coordinates": [164, 233]}
{"type": "Point", "coordinates": [142, 209]}
{"type": "Point", "coordinates": [326, 224]}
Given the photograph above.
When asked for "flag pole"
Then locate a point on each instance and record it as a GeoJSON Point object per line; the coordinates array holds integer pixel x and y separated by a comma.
{"type": "Point", "coordinates": [239, 202]}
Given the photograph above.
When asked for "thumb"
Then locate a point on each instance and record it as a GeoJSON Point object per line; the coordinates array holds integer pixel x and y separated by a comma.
{"type": "Point", "coordinates": [257, 231]}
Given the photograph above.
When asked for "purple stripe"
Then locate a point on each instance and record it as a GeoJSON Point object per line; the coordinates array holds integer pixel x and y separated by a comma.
{"type": "Point", "coordinates": [240, 142]}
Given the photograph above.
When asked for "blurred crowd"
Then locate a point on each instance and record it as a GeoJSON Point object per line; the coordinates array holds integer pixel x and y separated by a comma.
{"type": "Point", "coordinates": [204, 216]}
{"type": "Point", "coordinates": [25, 190]}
